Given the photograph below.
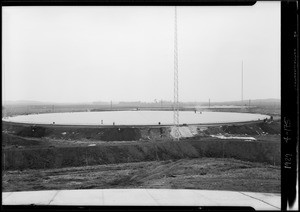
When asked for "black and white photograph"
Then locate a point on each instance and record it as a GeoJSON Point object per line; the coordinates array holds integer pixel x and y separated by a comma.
{"type": "Point", "coordinates": [142, 105]}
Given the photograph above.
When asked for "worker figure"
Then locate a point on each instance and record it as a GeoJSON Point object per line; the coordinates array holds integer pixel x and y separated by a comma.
{"type": "Point", "coordinates": [113, 123]}
{"type": "Point", "coordinates": [101, 121]}
{"type": "Point", "coordinates": [158, 123]}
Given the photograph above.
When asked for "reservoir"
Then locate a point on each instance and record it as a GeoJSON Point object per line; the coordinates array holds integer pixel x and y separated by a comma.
{"type": "Point", "coordinates": [110, 118]}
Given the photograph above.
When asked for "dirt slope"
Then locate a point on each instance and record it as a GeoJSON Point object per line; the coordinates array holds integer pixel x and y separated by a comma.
{"type": "Point", "coordinates": [137, 134]}
{"type": "Point", "coordinates": [200, 173]}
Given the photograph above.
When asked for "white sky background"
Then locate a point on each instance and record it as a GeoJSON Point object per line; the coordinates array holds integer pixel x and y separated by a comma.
{"type": "Point", "coordinates": [81, 54]}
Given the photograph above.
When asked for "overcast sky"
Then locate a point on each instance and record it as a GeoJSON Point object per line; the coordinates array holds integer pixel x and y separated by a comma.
{"type": "Point", "coordinates": [82, 54]}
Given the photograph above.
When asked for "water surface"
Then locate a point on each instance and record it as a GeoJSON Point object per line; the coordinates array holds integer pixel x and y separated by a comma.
{"type": "Point", "coordinates": [134, 118]}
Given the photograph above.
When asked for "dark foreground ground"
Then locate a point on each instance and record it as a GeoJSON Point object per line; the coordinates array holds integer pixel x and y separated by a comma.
{"type": "Point", "coordinates": [37, 158]}
{"type": "Point", "coordinates": [199, 173]}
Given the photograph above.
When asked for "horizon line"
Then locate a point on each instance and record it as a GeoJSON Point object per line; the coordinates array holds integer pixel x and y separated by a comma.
{"type": "Point", "coordinates": [132, 101]}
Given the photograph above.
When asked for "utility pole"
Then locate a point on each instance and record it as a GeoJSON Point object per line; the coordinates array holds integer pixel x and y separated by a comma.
{"type": "Point", "coordinates": [242, 81]}
{"type": "Point", "coordinates": [3, 163]}
{"type": "Point", "coordinates": [176, 101]}
{"type": "Point", "coordinates": [208, 103]}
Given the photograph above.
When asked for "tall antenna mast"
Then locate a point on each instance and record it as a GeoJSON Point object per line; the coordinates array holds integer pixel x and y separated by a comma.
{"type": "Point", "coordinates": [176, 102]}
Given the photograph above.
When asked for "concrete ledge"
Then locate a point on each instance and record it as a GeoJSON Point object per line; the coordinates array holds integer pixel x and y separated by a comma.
{"type": "Point", "coordinates": [144, 197]}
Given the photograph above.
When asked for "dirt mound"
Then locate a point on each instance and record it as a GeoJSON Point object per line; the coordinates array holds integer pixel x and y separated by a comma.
{"type": "Point", "coordinates": [158, 134]}
{"type": "Point", "coordinates": [261, 128]}
{"type": "Point", "coordinates": [107, 154]}
{"type": "Point", "coordinates": [136, 134]}
{"type": "Point", "coordinates": [271, 127]}
{"type": "Point", "coordinates": [32, 131]}
{"type": "Point", "coordinates": [244, 130]}
{"type": "Point", "coordinates": [102, 134]}
{"type": "Point", "coordinates": [120, 134]}
{"type": "Point", "coordinates": [47, 157]}
{"type": "Point", "coordinates": [11, 140]}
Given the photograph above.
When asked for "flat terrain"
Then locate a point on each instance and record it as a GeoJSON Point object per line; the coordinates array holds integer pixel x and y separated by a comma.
{"type": "Point", "coordinates": [199, 173]}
